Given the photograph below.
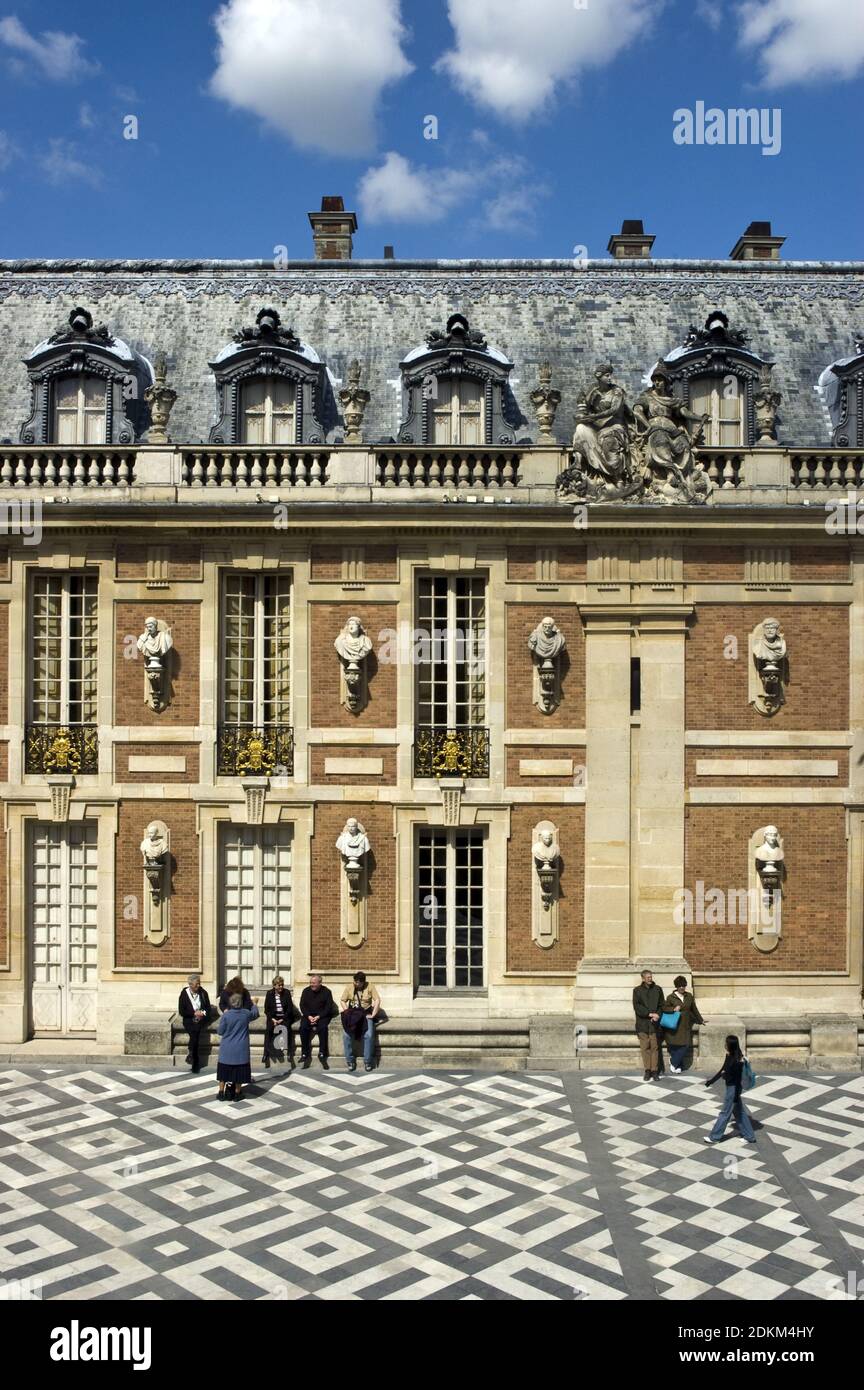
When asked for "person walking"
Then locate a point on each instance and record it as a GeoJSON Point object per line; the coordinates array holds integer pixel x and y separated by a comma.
{"type": "Point", "coordinates": [279, 1013]}
{"type": "Point", "coordinates": [679, 1039]}
{"type": "Point", "coordinates": [316, 1010]}
{"type": "Point", "coordinates": [359, 1007]}
{"type": "Point", "coordinates": [234, 1069]}
{"type": "Point", "coordinates": [194, 1008]}
{"type": "Point", "coordinates": [648, 1006]}
{"type": "Point", "coordinates": [234, 986]}
{"type": "Point", "coordinates": [732, 1072]}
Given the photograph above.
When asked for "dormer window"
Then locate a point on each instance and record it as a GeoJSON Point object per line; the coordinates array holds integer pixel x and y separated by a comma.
{"type": "Point", "coordinates": [843, 384]}
{"type": "Point", "coordinates": [79, 411]}
{"type": "Point", "coordinates": [87, 387]}
{"type": "Point", "coordinates": [269, 411]}
{"type": "Point", "coordinates": [718, 375]}
{"type": "Point", "coordinates": [272, 388]}
{"type": "Point", "coordinates": [455, 391]}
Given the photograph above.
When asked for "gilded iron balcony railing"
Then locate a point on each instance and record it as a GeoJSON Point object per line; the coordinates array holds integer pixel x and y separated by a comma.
{"type": "Point", "coordinates": [460, 750]}
{"type": "Point", "coordinates": [55, 749]}
{"type": "Point", "coordinates": [247, 750]}
{"type": "Point", "coordinates": [428, 466]}
{"type": "Point", "coordinates": [253, 466]}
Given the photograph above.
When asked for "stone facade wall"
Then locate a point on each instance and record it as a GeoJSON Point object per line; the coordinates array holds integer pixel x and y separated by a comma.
{"type": "Point", "coordinates": [522, 952]}
{"type": "Point", "coordinates": [156, 752]}
{"type": "Point", "coordinates": [182, 950]}
{"type": "Point", "coordinates": [326, 621]}
{"type": "Point", "coordinates": [184, 619]}
{"type": "Point", "coordinates": [370, 753]}
{"type": "Point", "coordinates": [329, 952]}
{"type": "Point", "coordinates": [814, 898]}
{"type": "Point", "coordinates": [522, 713]}
{"type": "Point", "coordinates": [765, 757]}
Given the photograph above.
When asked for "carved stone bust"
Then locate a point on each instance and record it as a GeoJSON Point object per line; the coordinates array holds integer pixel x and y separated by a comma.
{"type": "Point", "coordinates": [352, 844]}
{"type": "Point", "coordinates": [544, 849]}
{"type": "Point", "coordinates": [154, 846]}
{"type": "Point", "coordinates": [547, 640]}
{"type": "Point", "coordinates": [153, 643]}
{"type": "Point", "coordinates": [353, 644]}
{"type": "Point", "coordinates": [770, 863]}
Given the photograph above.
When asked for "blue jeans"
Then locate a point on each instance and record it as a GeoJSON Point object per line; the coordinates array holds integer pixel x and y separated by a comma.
{"type": "Point", "coordinates": [677, 1054]}
{"type": "Point", "coordinates": [742, 1119]}
{"type": "Point", "coordinates": [368, 1042]}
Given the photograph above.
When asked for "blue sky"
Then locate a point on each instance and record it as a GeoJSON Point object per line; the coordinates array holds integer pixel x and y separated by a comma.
{"type": "Point", "coordinates": [554, 121]}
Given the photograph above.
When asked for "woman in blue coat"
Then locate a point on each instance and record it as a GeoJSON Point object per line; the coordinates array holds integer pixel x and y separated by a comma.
{"type": "Point", "coordinates": [234, 1067]}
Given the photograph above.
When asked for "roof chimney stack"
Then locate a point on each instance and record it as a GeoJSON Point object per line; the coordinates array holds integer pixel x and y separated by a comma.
{"type": "Point", "coordinates": [630, 243]}
{"type": "Point", "coordinates": [332, 231]}
{"type": "Point", "coordinates": [757, 244]}
{"type": "Point", "coordinates": [388, 253]}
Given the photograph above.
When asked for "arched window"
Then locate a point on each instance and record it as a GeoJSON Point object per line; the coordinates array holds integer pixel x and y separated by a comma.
{"type": "Point", "coordinates": [78, 413]}
{"type": "Point", "coordinates": [718, 375]}
{"type": "Point", "coordinates": [455, 391]}
{"type": "Point", "coordinates": [268, 411]}
{"type": "Point", "coordinates": [457, 412]}
{"type": "Point", "coordinates": [272, 387]}
{"type": "Point", "coordinates": [87, 388]}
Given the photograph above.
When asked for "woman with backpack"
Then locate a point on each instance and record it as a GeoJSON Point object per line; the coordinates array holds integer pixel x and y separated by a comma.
{"type": "Point", "coordinates": [737, 1073]}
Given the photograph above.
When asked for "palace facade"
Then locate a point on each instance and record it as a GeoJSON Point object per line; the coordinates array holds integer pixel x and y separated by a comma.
{"type": "Point", "coordinates": [608, 630]}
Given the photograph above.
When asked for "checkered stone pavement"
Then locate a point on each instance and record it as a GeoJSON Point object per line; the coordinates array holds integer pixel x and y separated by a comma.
{"type": "Point", "coordinates": [120, 1184]}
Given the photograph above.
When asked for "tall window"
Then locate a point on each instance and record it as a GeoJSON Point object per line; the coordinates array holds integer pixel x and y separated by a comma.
{"type": "Point", "coordinates": [449, 882]}
{"type": "Point", "coordinates": [63, 611]}
{"type": "Point", "coordinates": [722, 398]}
{"type": "Point", "coordinates": [79, 410]}
{"type": "Point", "coordinates": [269, 411]}
{"type": "Point", "coordinates": [451, 671]}
{"type": "Point", "coordinates": [256, 903]}
{"type": "Point", "coordinates": [457, 412]}
{"type": "Point", "coordinates": [256, 685]}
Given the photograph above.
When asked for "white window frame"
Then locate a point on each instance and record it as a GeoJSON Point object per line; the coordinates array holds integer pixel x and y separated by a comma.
{"type": "Point", "coordinates": [59, 1004]}
{"type": "Point", "coordinates": [269, 413]}
{"type": "Point", "coordinates": [82, 412]}
{"type": "Point", "coordinates": [259, 640]}
{"type": "Point", "coordinates": [257, 838]}
{"type": "Point", "coordinates": [713, 428]}
{"type": "Point", "coordinates": [450, 653]}
{"type": "Point", "coordinates": [451, 837]}
{"type": "Point", "coordinates": [64, 645]}
{"type": "Point", "coordinates": [457, 413]}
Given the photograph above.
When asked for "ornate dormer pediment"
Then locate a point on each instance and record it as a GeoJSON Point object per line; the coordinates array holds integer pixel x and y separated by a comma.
{"type": "Point", "coordinates": [722, 355]}
{"type": "Point", "coordinates": [79, 328]}
{"type": "Point", "coordinates": [455, 390]}
{"type": "Point", "coordinates": [845, 398]}
{"type": "Point", "coordinates": [269, 351]}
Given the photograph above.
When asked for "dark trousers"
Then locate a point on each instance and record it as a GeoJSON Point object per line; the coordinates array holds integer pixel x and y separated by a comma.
{"type": "Point", "coordinates": [193, 1030]}
{"type": "Point", "coordinates": [269, 1030]}
{"type": "Point", "coordinates": [322, 1028]}
{"type": "Point", "coordinates": [678, 1054]}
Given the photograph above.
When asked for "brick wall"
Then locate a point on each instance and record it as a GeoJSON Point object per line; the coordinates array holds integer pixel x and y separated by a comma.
{"type": "Point", "coordinates": [817, 696]}
{"type": "Point", "coordinates": [768, 755]}
{"type": "Point", "coordinates": [326, 621]}
{"type": "Point", "coordinates": [522, 618]}
{"type": "Point", "coordinates": [329, 951]}
{"type": "Point", "coordinates": [522, 952]}
{"type": "Point", "coordinates": [522, 563]}
{"type": "Point", "coordinates": [713, 564]}
{"type": "Point", "coordinates": [826, 564]}
{"type": "Point", "coordinates": [129, 687]}
{"type": "Point", "coordinates": [184, 561]}
{"type": "Point", "coordinates": [189, 751]}
{"type": "Point", "coordinates": [326, 563]}
{"type": "Point", "coordinates": [814, 902]}
{"type": "Point", "coordinates": [182, 949]}
{"type": "Point", "coordinates": [380, 563]}
{"type": "Point", "coordinates": [572, 563]}
{"type": "Point", "coordinates": [545, 754]}
{"type": "Point", "coordinates": [318, 753]}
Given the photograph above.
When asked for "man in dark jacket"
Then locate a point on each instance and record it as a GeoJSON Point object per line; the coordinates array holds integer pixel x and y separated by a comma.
{"type": "Point", "coordinates": [316, 1010]}
{"type": "Point", "coordinates": [279, 1013]}
{"type": "Point", "coordinates": [648, 1006]}
{"type": "Point", "coordinates": [194, 1009]}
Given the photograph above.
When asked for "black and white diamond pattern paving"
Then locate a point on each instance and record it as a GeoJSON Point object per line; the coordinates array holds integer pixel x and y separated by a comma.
{"type": "Point", "coordinates": [118, 1184]}
{"type": "Point", "coordinates": [778, 1220]}
{"type": "Point", "coordinates": [128, 1185]}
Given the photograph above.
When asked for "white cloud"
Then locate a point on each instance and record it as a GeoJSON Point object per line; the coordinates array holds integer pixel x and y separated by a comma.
{"type": "Point", "coordinates": [313, 69]}
{"type": "Point", "coordinates": [511, 57]}
{"type": "Point", "coordinates": [804, 40]}
{"type": "Point", "coordinates": [8, 150]}
{"type": "Point", "coordinates": [57, 55]}
{"type": "Point", "coordinates": [500, 193]}
{"type": "Point", "coordinates": [711, 11]}
{"type": "Point", "coordinates": [62, 165]}
{"type": "Point", "coordinates": [86, 116]}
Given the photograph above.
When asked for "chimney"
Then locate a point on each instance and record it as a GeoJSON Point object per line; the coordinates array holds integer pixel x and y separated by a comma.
{"type": "Point", "coordinates": [630, 243]}
{"type": "Point", "coordinates": [332, 230]}
{"type": "Point", "coordinates": [757, 244]}
{"type": "Point", "coordinates": [389, 253]}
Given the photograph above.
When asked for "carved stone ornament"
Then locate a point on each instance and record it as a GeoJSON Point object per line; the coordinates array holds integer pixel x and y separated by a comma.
{"type": "Point", "coordinates": [61, 792]}
{"type": "Point", "coordinates": [353, 845]}
{"type": "Point", "coordinates": [766, 884]}
{"type": "Point", "coordinates": [546, 643]}
{"type": "Point", "coordinates": [546, 859]}
{"type": "Point", "coordinates": [269, 350]}
{"type": "Point", "coordinates": [160, 397]}
{"type": "Point", "coordinates": [769, 667]}
{"type": "Point", "coordinates": [431, 374]}
{"type": "Point", "coordinates": [766, 402]}
{"type": "Point", "coordinates": [353, 647]}
{"type": "Point", "coordinates": [639, 453]}
{"type": "Point", "coordinates": [353, 400]}
{"type": "Point", "coordinates": [156, 853]}
{"type": "Point", "coordinates": [545, 402]}
{"type": "Point", "coordinates": [155, 645]}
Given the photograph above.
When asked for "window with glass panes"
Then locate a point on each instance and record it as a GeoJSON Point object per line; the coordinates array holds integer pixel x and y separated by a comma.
{"type": "Point", "coordinates": [457, 411]}
{"type": "Point", "coordinates": [268, 411]}
{"type": "Point", "coordinates": [450, 909]}
{"type": "Point", "coordinates": [79, 410]}
{"type": "Point", "coordinates": [63, 617]}
{"type": "Point", "coordinates": [62, 888]}
{"type": "Point", "coordinates": [451, 667]}
{"type": "Point", "coordinates": [722, 399]}
{"type": "Point", "coordinates": [256, 903]}
{"type": "Point", "coordinates": [256, 637]}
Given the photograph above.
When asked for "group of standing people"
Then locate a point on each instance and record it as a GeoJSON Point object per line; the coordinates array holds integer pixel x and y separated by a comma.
{"type": "Point", "coordinates": [671, 1017]}
{"type": "Point", "coordinates": [359, 1006]}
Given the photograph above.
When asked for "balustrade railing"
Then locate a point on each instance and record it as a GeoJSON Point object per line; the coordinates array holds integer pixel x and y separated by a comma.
{"type": "Point", "coordinates": [63, 749]}
{"type": "Point", "coordinates": [244, 466]}
{"type": "Point", "coordinates": [812, 469]}
{"type": "Point", "coordinates": [54, 467]}
{"type": "Point", "coordinates": [723, 467]}
{"type": "Point", "coordinates": [431, 467]}
{"type": "Point", "coordinates": [244, 750]}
